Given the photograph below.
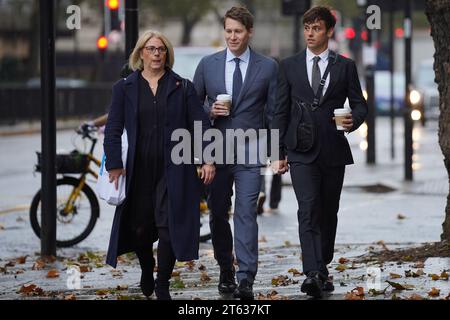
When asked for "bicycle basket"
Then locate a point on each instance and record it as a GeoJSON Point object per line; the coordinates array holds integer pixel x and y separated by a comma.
{"type": "Point", "coordinates": [74, 162]}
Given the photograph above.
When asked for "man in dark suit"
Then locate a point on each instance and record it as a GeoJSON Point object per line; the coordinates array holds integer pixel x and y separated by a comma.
{"type": "Point", "coordinates": [314, 150]}
{"type": "Point", "coordinates": [250, 79]}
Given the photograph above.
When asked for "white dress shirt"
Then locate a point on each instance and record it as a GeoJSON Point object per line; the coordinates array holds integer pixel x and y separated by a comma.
{"type": "Point", "coordinates": [230, 65]}
{"type": "Point", "coordinates": [323, 63]}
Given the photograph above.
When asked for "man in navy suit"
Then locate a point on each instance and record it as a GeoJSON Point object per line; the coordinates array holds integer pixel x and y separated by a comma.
{"type": "Point", "coordinates": [316, 151]}
{"type": "Point", "coordinates": [250, 79]}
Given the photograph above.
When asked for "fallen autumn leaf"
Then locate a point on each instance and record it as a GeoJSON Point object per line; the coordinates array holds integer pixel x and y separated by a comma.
{"type": "Point", "coordinates": [341, 267]}
{"type": "Point", "coordinates": [21, 260]}
{"type": "Point", "coordinates": [204, 277]}
{"type": "Point", "coordinates": [415, 296]}
{"type": "Point", "coordinates": [38, 265]}
{"type": "Point", "coordinates": [53, 274]}
{"type": "Point", "coordinates": [295, 272]}
{"type": "Point", "coordinates": [399, 286]}
{"type": "Point", "coordinates": [343, 260]}
{"type": "Point", "coordinates": [434, 292]}
{"type": "Point", "coordinates": [102, 292]}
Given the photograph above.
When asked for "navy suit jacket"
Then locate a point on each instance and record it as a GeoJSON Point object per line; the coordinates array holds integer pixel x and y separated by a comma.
{"type": "Point", "coordinates": [254, 107]}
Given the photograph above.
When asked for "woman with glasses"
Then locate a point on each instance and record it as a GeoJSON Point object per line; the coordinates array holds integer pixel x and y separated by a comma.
{"type": "Point", "coordinates": [162, 198]}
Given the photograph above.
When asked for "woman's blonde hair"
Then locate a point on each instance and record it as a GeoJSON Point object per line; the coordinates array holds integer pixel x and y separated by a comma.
{"type": "Point", "coordinates": [135, 62]}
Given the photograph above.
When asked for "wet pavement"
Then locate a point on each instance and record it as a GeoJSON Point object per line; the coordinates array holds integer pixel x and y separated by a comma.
{"type": "Point", "coordinates": [377, 209]}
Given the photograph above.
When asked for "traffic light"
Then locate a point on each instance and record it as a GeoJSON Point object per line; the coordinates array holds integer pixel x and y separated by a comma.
{"type": "Point", "coordinates": [350, 33]}
{"type": "Point", "coordinates": [102, 43]}
{"type": "Point", "coordinates": [112, 6]}
{"type": "Point", "coordinates": [295, 7]}
{"type": "Point", "coordinates": [364, 35]}
{"type": "Point", "coordinates": [354, 36]}
{"type": "Point", "coordinates": [399, 33]}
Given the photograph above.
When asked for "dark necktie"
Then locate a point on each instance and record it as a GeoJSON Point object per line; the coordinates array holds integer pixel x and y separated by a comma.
{"type": "Point", "coordinates": [237, 80]}
{"type": "Point", "coordinates": [316, 77]}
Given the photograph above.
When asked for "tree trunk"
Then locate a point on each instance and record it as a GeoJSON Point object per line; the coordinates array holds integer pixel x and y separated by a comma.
{"type": "Point", "coordinates": [438, 13]}
{"type": "Point", "coordinates": [188, 25]}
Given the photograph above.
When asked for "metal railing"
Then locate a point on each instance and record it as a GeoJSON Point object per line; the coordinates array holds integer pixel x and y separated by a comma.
{"type": "Point", "coordinates": [20, 103]}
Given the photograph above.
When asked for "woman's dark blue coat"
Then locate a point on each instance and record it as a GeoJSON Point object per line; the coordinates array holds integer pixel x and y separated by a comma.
{"type": "Point", "coordinates": [183, 184]}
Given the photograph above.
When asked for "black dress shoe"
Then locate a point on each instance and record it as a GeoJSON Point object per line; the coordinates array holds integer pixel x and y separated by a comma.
{"type": "Point", "coordinates": [147, 263]}
{"type": "Point", "coordinates": [227, 284]}
{"type": "Point", "coordinates": [147, 282]}
{"type": "Point", "coordinates": [312, 285]}
{"type": "Point", "coordinates": [328, 285]}
{"type": "Point", "coordinates": [162, 290]}
{"type": "Point", "coordinates": [244, 291]}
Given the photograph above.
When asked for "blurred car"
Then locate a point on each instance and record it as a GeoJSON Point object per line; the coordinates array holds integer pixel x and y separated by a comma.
{"type": "Point", "coordinates": [188, 58]}
{"type": "Point", "coordinates": [383, 92]}
{"type": "Point", "coordinates": [425, 95]}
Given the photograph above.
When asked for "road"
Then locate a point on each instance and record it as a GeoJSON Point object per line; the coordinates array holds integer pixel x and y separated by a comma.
{"type": "Point", "coordinates": [364, 217]}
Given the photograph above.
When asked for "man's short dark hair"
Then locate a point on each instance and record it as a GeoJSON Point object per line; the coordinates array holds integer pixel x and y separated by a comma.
{"type": "Point", "coordinates": [320, 13]}
{"type": "Point", "coordinates": [125, 71]}
{"type": "Point", "coordinates": [240, 14]}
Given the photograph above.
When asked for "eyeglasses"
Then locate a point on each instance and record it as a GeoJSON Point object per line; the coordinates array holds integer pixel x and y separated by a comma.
{"type": "Point", "coordinates": [153, 49]}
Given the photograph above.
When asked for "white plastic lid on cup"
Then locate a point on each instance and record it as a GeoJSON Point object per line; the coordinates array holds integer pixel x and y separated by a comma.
{"type": "Point", "coordinates": [341, 112]}
{"type": "Point", "coordinates": [224, 97]}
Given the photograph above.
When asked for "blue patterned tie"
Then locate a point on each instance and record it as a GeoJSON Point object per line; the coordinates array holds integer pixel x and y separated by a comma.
{"type": "Point", "coordinates": [237, 80]}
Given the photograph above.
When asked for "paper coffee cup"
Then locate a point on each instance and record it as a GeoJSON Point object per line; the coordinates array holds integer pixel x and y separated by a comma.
{"type": "Point", "coordinates": [226, 100]}
{"type": "Point", "coordinates": [340, 115]}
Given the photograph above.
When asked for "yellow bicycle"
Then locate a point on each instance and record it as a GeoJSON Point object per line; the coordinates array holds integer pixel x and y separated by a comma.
{"type": "Point", "coordinates": [77, 204]}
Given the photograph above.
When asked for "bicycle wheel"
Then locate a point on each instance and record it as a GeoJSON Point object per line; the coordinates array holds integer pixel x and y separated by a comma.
{"type": "Point", "coordinates": [71, 227]}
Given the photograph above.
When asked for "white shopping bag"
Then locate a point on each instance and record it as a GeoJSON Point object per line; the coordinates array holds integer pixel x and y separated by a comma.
{"type": "Point", "coordinates": [105, 189]}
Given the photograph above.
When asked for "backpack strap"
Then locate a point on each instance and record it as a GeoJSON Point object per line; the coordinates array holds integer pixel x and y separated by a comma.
{"type": "Point", "coordinates": [332, 58]}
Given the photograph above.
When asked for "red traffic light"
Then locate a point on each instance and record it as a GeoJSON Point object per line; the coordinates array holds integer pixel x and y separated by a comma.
{"type": "Point", "coordinates": [399, 33]}
{"type": "Point", "coordinates": [364, 35]}
{"type": "Point", "coordinates": [113, 4]}
{"type": "Point", "coordinates": [102, 43]}
{"type": "Point", "coordinates": [350, 33]}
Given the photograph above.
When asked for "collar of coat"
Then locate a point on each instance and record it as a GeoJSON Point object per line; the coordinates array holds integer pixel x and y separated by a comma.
{"type": "Point", "coordinates": [174, 82]}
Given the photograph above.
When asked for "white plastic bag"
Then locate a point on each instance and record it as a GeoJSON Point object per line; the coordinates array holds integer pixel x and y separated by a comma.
{"type": "Point", "coordinates": [105, 189]}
